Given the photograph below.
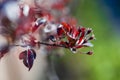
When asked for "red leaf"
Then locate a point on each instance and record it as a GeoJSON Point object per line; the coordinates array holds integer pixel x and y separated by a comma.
{"type": "Point", "coordinates": [38, 22]}
{"type": "Point", "coordinates": [82, 35]}
{"type": "Point", "coordinates": [60, 31]}
{"type": "Point", "coordinates": [66, 27]}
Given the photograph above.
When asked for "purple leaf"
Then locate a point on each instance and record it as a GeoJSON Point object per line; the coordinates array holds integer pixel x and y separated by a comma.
{"type": "Point", "coordinates": [22, 55]}
{"type": "Point", "coordinates": [3, 50]}
{"type": "Point", "coordinates": [28, 57]}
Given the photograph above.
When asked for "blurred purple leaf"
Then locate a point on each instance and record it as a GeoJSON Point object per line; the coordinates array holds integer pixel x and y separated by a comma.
{"type": "Point", "coordinates": [28, 57]}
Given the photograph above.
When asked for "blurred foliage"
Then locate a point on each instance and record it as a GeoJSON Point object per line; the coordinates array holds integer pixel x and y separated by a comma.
{"type": "Point", "coordinates": [104, 63]}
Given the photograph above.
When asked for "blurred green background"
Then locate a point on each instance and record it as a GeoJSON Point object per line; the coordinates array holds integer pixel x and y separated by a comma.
{"type": "Point", "coordinates": [104, 63]}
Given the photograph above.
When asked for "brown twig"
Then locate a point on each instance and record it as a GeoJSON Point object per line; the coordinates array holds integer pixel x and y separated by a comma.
{"type": "Point", "coordinates": [42, 43]}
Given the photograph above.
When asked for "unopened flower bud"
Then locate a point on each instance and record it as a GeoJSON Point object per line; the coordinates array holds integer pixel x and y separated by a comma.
{"type": "Point", "coordinates": [89, 31]}
{"type": "Point", "coordinates": [89, 53]}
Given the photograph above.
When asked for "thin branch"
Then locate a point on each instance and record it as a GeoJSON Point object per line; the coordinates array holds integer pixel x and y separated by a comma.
{"type": "Point", "coordinates": [42, 43]}
{"type": "Point", "coordinates": [56, 45]}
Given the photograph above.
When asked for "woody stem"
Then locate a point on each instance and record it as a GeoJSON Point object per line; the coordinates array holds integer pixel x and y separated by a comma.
{"type": "Point", "coordinates": [42, 43]}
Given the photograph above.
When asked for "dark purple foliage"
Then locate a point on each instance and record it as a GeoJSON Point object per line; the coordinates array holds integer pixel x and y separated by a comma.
{"type": "Point", "coordinates": [28, 57]}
